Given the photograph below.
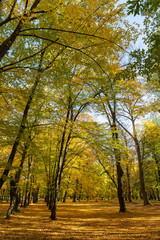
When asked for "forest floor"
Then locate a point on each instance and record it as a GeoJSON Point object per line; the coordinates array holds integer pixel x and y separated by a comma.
{"type": "Point", "coordinates": [82, 221]}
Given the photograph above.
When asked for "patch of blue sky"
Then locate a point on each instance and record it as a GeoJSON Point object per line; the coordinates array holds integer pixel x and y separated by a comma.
{"type": "Point", "coordinates": [133, 20]}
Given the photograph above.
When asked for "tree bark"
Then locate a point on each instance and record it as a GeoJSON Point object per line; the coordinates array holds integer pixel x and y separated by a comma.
{"type": "Point", "coordinates": [55, 196]}
{"type": "Point", "coordinates": [128, 185]}
{"type": "Point", "coordinates": [120, 189]}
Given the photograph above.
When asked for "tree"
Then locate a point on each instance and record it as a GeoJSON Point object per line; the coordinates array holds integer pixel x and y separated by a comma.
{"type": "Point", "coordinates": [65, 44]}
{"type": "Point", "coordinates": [13, 17]}
{"type": "Point", "coordinates": [147, 61]}
{"type": "Point", "coordinates": [152, 151]}
{"type": "Point", "coordinates": [108, 105]}
{"type": "Point", "coordinates": [133, 107]}
{"type": "Point", "coordinates": [75, 100]}
{"type": "Point", "coordinates": [21, 128]}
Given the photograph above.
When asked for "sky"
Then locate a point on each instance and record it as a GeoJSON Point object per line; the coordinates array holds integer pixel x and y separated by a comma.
{"type": "Point", "coordinates": [137, 19]}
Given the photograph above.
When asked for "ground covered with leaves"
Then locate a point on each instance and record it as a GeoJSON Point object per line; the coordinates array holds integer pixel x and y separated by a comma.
{"type": "Point", "coordinates": [80, 221]}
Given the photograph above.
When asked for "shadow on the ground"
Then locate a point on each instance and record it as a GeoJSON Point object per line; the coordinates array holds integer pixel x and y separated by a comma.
{"type": "Point", "coordinates": [82, 221]}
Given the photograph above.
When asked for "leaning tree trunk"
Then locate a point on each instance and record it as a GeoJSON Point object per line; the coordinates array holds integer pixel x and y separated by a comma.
{"type": "Point", "coordinates": [20, 132]}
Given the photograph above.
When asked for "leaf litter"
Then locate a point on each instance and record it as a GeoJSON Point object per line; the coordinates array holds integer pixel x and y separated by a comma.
{"type": "Point", "coordinates": [82, 221]}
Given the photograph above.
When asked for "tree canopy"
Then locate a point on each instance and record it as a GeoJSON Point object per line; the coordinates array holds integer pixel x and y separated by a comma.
{"type": "Point", "coordinates": [61, 63]}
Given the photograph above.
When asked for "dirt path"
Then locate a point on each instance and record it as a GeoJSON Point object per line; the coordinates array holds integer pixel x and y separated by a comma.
{"type": "Point", "coordinates": [82, 221]}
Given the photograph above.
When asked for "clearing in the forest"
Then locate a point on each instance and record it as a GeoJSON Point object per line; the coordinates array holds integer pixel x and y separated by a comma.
{"type": "Point", "coordinates": [82, 220]}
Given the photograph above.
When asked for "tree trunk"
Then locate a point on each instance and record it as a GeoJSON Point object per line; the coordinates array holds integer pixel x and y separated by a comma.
{"type": "Point", "coordinates": [27, 192]}
{"type": "Point", "coordinates": [141, 174]}
{"type": "Point", "coordinates": [35, 194]}
{"type": "Point", "coordinates": [50, 199]}
{"type": "Point", "coordinates": [120, 190]}
{"type": "Point", "coordinates": [65, 196]}
{"type": "Point", "coordinates": [20, 132]}
{"type": "Point", "coordinates": [118, 166]}
{"type": "Point", "coordinates": [14, 194]}
{"type": "Point", "coordinates": [17, 207]}
{"type": "Point", "coordinates": [55, 195]}
{"type": "Point", "coordinates": [75, 192]}
{"type": "Point", "coordinates": [128, 185]}
{"type": "Point", "coordinates": [158, 197]}
{"type": "Point", "coordinates": [63, 152]}
{"type": "Point", "coordinates": [47, 196]}
{"type": "Point", "coordinates": [60, 166]}
{"type": "Point", "coordinates": [5, 46]}
{"type": "Point", "coordinates": [158, 167]}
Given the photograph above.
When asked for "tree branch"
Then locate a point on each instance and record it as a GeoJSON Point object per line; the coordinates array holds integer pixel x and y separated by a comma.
{"type": "Point", "coordinates": [76, 32]}
{"type": "Point", "coordinates": [23, 59]}
{"type": "Point", "coordinates": [67, 46]}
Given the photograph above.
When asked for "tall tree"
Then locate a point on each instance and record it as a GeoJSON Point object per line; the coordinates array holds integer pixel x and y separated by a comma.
{"type": "Point", "coordinates": [22, 126]}
{"type": "Point", "coordinates": [133, 107]}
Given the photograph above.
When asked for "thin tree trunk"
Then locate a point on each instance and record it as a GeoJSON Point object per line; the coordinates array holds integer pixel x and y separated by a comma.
{"type": "Point", "coordinates": [120, 189]}
{"type": "Point", "coordinates": [128, 185]}
{"type": "Point", "coordinates": [158, 197]}
{"type": "Point", "coordinates": [14, 202]}
{"type": "Point", "coordinates": [75, 192]}
{"type": "Point", "coordinates": [141, 174]}
{"type": "Point", "coordinates": [112, 121]}
{"type": "Point", "coordinates": [118, 166]}
{"type": "Point", "coordinates": [65, 196]}
{"type": "Point", "coordinates": [55, 200]}
{"type": "Point", "coordinates": [17, 207]}
{"type": "Point", "coordinates": [22, 127]}
{"type": "Point", "coordinates": [26, 202]}
{"type": "Point", "coordinates": [63, 152]}
{"type": "Point", "coordinates": [13, 190]}
{"type": "Point", "coordinates": [35, 194]}
{"type": "Point", "coordinates": [55, 190]}
{"type": "Point", "coordinates": [140, 163]}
